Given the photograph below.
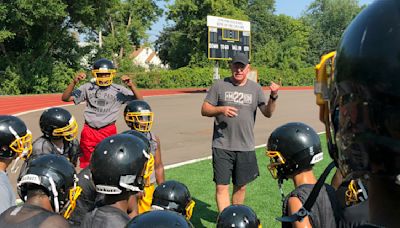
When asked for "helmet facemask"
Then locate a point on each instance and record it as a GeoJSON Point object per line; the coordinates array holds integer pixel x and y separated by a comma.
{"type": "Point", "coordinates": [69, 132]}
{"type": "Point", "coordinates": [140, 121]}
{"type": "Point", "coordinates": [355, 193]}
{"type": "Point", "coordinates": [103, 76]}
{"type": "Point", "coordinates": [189, 209]}
{"type": "Point", "coordinates": [21, 145]}
{"type": "Point", "coordinates": [276, 161]}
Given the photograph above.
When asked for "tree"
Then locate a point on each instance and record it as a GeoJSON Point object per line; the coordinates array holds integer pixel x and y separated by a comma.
{"type": "Point", "coordinates": [328, 20]}
{"type": "Point", "coordinates": [39, 39]}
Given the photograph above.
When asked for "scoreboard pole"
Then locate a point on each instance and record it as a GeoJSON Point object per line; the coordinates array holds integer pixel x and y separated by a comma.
{"type": "Point", "coordinates": [216, 71]}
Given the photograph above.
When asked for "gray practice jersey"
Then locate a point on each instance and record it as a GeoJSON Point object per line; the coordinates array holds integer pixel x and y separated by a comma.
{"type": "Point", "coordinates": [43, 145]}
{"type": "Point", "coordinates": [235, 133]}
{"type": "Point", "coordinates": [7, 196]}
{"type": "Point", "coordinates": [31, 216]}
{"type": "Point", "coordinates": [325, 211]}
{"type": "Point", "coordinates": [104, 217]}
{"type": "Point", "coordinates": [102, 103]}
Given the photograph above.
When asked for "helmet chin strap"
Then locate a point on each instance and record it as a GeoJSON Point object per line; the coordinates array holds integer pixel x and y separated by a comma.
{"type": "Point", "coordinates": [280, 182]}
{"type": "Point", "coordinates": [15, 167]}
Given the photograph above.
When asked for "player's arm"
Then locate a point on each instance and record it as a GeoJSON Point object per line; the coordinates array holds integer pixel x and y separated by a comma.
{"type": "Point", "coordinates": [128, 81]}
{"type": "Point", "coordinates": [67, 95]}
{"type": "Point", "coordinates": [294, 206]}
{"type": "Point", "coordinates": [210, 110]}
{"type": "Point", "coordinates": [158, 165]}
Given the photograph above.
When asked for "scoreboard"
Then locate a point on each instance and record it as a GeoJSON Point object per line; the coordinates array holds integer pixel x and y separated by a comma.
{"type": "Point", "coordinates": [226, 37]}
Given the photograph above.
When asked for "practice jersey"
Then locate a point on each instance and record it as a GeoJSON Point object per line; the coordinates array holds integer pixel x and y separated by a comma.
{"type": "Point", "coordinates": [104, 217]}
{"type": "Point", "coordinates": [31, 216]}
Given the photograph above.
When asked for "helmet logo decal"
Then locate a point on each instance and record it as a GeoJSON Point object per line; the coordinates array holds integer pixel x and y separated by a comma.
{"type": "Point", "coordinates": [104, 189]}
{"type": "Point", "coordinates": [317, 158]}
{"type": "Point", "coordinates": [29, 178]}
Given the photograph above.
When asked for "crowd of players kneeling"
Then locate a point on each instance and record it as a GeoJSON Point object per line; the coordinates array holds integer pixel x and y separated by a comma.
{"type": "Point", "coordinates": [106, 193]}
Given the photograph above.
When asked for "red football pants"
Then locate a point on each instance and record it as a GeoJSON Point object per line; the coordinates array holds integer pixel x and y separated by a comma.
{"type": "Point", "coordinates": [90, 137]}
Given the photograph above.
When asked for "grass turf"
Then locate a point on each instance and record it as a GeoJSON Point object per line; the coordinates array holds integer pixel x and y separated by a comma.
{"type": "Point", "coordinates": [262, 195]}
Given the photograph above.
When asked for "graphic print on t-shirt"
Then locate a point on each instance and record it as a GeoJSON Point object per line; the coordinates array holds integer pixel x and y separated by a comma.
{"type": "Point", "coordinates": [238, 97]}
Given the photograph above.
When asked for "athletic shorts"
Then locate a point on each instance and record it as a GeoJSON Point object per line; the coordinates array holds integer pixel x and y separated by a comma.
{"type": "Point", "coordinates": [240, 165]}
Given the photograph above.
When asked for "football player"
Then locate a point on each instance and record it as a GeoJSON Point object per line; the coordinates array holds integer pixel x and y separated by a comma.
{"type": "Point", "coordinates": [117, 167]}
{"type": "Point", "coordinates": [15, 141]}
{"type": "Point", "coordinates": [103, 101]}
{"type": "Point", "coordinates": [159, 219]}
{"type": "Point", "coordinates": [59, 130]}
{"type": "Point", "coordinates": [48, 188]}
{"type": "Point", "coordinates": [293, 149]}
{"type": "Point", "coordinates": [238, 216]}
{"type": "Point", "coordinates": [174, 196]}
{"type": "Point", "coordinates": [364, 90]}
{"type": "Point", "coordinates": [139, 117]}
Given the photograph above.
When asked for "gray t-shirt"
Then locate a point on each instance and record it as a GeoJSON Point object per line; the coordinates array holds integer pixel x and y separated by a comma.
{"type": "Point", "coordinates": [7, 195]}
{"type": "Point", "coordinates": [235, 133]}
{"type": "Point", "coordinates": [102, 103]}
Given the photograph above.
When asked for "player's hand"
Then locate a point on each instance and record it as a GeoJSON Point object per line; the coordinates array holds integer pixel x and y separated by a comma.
{"type": "Point", "coordinates": [275, 87]}
{"type": "Point", "coordinates": [127, 80]}
{"type": "Point", "coordinates": [229, 111]}
{"type": "Point", "coordinates": [79, 77]}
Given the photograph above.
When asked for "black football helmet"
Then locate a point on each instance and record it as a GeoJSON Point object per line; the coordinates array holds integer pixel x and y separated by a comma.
{"type": "Point", "coordinates": [15, 138]}
{"type": "Point", "coordinates": [56, 123]}
{"type": "Point", "coordinates": [238, 216]}
{"type": "Point", "coordinates": [119, 163]}
{"type": "Point", "coordinates": [57, 176]}
{"type": "Point", "coordinates": [159, 219]}
{"type": "Point", "coordinates": [292, 147]}
{"type": "Point", "coordinates": [103, 71]}
{"type": "Point", "coordinates": [138, 116]}
{"type": "Point", "coordinates": [364, 94]}
{"type": "Point", "coordinates": [174, 196]}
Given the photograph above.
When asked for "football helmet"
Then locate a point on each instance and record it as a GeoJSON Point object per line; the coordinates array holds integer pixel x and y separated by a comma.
{"type": "Point", "coordinates": [174, 196]}
{"type": "Point", "coordinates": [103, 71]}
{"type": "Point", "coordinates": [159, 219]}
{"type": "Point", "coordinates": [57, 176]}
{"type": "Point", "coordinates": [238, 216]}
{"type": "Point", "coordinates": [119, 163]}
{"type": "Point", "coordinates": [15, 138]}
{"type": "Point", "coordinates": [292, 147]}
{"type": "Point", "coordinates": [364, 95]}
{"type": "Point", "coordinates": [138, 115]}
{"type": "Point", "coordinates": [56, 123]}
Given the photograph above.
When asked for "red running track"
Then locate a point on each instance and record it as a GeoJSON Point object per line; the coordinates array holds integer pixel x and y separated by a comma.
{"type": "Point", "coordinates": [15, 104]}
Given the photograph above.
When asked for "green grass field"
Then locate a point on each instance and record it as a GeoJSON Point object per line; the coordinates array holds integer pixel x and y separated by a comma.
{"type": "Point", "coordinates": [262, 195]}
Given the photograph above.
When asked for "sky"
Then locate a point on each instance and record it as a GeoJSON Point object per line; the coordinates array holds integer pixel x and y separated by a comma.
{"type": "Point", "coordinates": [292, 8]}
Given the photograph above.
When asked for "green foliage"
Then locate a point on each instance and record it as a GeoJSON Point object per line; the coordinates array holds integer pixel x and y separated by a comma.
{"type": "Point", "coordinates": [203, 77]}
{"type": "Point", "coordinates": [328, 20]}
{"type": "Point", "coordinates": [10, 82]}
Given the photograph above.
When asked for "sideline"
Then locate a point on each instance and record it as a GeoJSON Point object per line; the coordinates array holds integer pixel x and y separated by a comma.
{"type": "Point", "coordinates": [208, 158]}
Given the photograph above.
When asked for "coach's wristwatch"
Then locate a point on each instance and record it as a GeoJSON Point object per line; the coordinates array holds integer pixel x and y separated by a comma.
{"type": "Point", "coordinates": [273, 97]}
